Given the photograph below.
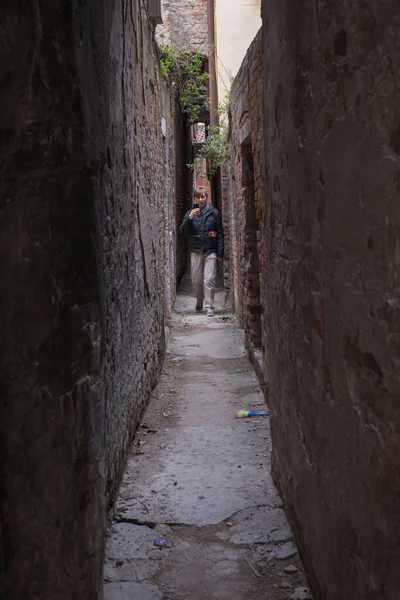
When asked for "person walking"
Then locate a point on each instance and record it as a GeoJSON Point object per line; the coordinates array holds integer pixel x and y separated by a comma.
{"type": "Point", "coordinates": [203, 225]}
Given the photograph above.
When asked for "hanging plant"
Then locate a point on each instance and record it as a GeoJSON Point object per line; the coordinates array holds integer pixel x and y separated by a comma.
{"type": "Point", "coordinates": [215, 150]}
{"type": "Point", "coordinates": [186, 69]}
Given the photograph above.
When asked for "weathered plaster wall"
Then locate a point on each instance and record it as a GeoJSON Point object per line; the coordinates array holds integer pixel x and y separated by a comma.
{"type": "Point", "coordinates": [87, 230]}
{"type": "Point", "coordinates": [332, 122]}
{"type": "Point", "coordinates": [176, 192]}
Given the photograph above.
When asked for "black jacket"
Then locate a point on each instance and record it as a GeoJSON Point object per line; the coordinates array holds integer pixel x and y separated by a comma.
{"type": "Point", "coordinates": [205, 232]}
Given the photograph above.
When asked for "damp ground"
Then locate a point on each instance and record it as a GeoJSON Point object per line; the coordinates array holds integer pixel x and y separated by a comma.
{"type": "Point", "coordinates": [199, 478]}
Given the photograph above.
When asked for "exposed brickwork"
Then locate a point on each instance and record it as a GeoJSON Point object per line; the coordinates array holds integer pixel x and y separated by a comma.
{"type": "Point", "coordinates": [333, 161]}
{"type": "Point", "coordinates": [246, 221]}
{"type": "Point", "coordinates": [87, 230]}
{"type": "Point", "coordinates": [185, 22]}
{"type": "Point", "coordinates": [225, 213]}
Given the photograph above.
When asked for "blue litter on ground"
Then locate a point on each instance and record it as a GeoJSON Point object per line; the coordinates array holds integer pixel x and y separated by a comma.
{"type": "Point", "coordinates": [162, 543]}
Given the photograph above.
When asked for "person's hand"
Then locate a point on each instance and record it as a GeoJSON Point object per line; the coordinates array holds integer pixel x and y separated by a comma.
{"type": "Point", "coordinates": [194, 213]}
{"type": "Point", "coordinates": [220, 259]}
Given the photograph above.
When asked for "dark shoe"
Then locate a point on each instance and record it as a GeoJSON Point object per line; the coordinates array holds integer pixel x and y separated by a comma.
{"type": "Point", "coordinates": [199, 306]}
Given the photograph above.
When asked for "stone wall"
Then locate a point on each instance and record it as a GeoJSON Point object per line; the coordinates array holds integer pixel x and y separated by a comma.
{"type": "Point", "coordinates": [332, 123]}
{"type": "Point", "coordinates": [183, 191]}
{"type": "Point", "coordinates": [87, 231]}
{"type": "Point", "coordinates": [244, 205]}
{"type": "Point", "coordinates": [184, 22]}
{"type": "Point", "coordinates": [52, 401]}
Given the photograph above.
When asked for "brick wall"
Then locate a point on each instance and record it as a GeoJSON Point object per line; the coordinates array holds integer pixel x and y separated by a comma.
{"type": "Point", "coordinates": [332, 114]}
{"type": "Point", "coordinates": [225, 214]}
{"type": "Point", "coordinates": [244, 200]}
{"type": "Point", "coordinates": [87, 230]}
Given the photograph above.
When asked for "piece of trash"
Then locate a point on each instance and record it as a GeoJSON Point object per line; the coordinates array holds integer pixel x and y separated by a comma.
{"type": "Point", "coordinates": [162, 543]}
{"type": "Point", "coordinates": [176, 364]}
{"type": "Point", "coordinates": [256, 573]}
{"type": "Point", "coordinates": [246, 414]}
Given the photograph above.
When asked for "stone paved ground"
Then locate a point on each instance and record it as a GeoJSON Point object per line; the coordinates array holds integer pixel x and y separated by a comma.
{"type": "Point", "coordinates": [200, 478]}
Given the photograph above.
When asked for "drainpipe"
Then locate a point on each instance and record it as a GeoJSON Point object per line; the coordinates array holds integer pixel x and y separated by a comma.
{"type": "Point", "coordinates": [211, 62]}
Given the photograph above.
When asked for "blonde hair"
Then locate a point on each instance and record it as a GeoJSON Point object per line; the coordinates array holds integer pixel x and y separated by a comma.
{"type": "Point", "coordinates": [198, 193]}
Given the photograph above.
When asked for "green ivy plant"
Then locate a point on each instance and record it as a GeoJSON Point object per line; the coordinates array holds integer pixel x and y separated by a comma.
{"type": "Point", "coordinates": [215, 148]}
{"type": "Point", "coordinates": [186, 68]}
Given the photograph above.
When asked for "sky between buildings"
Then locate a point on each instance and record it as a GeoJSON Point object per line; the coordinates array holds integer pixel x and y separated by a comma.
{"type": "Point", "coordinates": [237, 22]}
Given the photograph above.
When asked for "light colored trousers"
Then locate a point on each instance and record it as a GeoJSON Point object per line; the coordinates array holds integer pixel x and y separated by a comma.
{"type": "Point", "coordinates": [204, 272]}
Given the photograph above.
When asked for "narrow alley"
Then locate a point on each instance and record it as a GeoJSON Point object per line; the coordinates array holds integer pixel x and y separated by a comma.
{"type": "Point", "coordinates": [200, 478]}
{"type": "Point", "coordinates": [147, 146]}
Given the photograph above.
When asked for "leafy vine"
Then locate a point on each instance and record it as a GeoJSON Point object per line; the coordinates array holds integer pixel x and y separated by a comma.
{"type": "Point", "coordinates": [215, 149]}
{"type": "Point", "coordinates": [186, 68]}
